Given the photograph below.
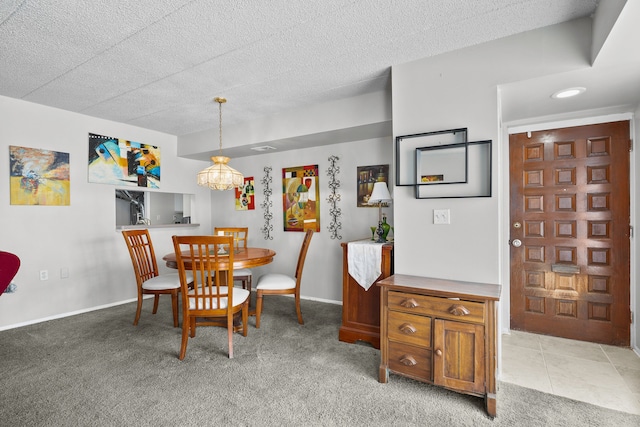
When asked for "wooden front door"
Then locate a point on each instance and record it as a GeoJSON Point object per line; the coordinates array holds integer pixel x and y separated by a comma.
{"type": "Point", "coordinates": [569, 231]}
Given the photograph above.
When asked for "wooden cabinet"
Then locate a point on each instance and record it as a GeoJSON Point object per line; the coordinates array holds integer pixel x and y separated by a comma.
{"type": "Point", "coordinates": [441, 332]}
{"type": "Point", "coordinates": [360, 307]}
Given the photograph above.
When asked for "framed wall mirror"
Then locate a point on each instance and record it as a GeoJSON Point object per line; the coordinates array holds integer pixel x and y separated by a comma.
{"type": "Point", "coordinates": [152, 208]}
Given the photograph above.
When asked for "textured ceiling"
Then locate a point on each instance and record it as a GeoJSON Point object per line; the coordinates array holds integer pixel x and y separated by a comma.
{"type": "Point", "coordinates": [158, 63]}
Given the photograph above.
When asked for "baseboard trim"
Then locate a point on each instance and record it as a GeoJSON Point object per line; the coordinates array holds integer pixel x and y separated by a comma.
{"type": "Point", "coordinates": [71, 313]}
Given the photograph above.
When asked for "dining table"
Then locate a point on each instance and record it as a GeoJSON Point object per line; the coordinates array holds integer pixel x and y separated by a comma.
{"type": "Point", "coordinates": [242, 258]}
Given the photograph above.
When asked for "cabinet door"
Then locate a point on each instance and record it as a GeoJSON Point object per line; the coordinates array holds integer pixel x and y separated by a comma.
{"type": "Point", "coordinates": [459, 360]}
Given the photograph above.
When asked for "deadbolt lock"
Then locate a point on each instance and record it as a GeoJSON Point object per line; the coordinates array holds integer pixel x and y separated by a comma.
{"type": "Point", "coordinates": [517, 225]}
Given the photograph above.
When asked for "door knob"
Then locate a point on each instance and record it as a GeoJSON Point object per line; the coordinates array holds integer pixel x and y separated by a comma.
{"type": "Point", "coordinates": [516, 243]}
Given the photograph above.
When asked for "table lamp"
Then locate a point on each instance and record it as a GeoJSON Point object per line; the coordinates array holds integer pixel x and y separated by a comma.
{"type": "Point", "coordinates": [380, 195]}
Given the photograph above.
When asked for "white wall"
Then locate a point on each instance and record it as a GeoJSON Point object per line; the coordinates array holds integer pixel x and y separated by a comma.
{"type": "Point", "coordinates": [80, 237]}
{"type": "Point", "coordinates": [461, 90]}
{"type": "Point", "coordinates": [322, 277]}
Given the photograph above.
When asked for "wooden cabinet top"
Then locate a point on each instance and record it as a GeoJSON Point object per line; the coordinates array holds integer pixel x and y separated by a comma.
{"type": "Point", "coordinates": [442, 287]}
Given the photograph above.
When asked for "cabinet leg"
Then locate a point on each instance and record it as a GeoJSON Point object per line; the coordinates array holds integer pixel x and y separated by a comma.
{"type": "Point", "coordinates": [490, 402]}
{"type": "Point", "coordinates": [383, 374]}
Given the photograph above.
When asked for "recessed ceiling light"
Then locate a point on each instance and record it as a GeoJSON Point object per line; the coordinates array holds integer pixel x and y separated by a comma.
{"type": "Point", "coordinates": [568, 93]}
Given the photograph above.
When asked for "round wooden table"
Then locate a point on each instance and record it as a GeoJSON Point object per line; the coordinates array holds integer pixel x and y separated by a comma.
{"type": "Point", "coordinates": [242, 258]}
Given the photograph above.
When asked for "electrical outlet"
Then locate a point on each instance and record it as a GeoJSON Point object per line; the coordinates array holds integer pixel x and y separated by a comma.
{"type": "Point", "coordinates": [441, 216]}
{"type": "Point", "coordinates": [44, 275]}
{"type": "Point", "coordinates": [64, 273]}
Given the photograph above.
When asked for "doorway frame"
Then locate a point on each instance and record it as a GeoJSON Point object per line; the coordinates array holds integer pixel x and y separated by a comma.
{"type": "Point", "coordinates": [503, 182]}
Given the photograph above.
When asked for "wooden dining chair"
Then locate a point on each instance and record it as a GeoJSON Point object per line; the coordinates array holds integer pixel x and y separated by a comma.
{"type": "Point", "coordinates": [211, 298]}
{"type": "Point", "coordinates": [281, 284]}
{"type": "Point", "coordinates": [240, 236]}
{"type": "Point", "coordinates": [148, 279]}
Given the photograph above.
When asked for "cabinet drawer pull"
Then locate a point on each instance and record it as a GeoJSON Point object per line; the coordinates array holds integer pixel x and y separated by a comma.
{"type": "Point", "coordinates": [438, 352]}
{"type": "Point", "coordinates": [410, 303]}
{"type": "Point", "coordinates": [408, 328]}
{"type": "Point", "coordinates": [407, 360]}
{"type": "Point", "coordinates": [459, 310]}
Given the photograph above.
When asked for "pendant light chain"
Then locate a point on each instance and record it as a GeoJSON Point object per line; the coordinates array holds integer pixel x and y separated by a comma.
{"type": "Point", "coordinates": [219, 100]}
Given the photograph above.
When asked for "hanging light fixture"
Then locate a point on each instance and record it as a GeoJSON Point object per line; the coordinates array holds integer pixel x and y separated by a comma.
{"type": "Point", "coordinates": [220, 176]}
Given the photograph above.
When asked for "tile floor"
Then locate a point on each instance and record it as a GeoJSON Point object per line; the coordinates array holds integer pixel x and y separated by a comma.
{"type": "Point", "coordinates": [599, 374]}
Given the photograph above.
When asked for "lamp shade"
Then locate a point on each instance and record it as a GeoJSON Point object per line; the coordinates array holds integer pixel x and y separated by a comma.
{"type": "Point", "coordinates": [380, 193]}
{"type": "Point", "coordinates": [220, 176]}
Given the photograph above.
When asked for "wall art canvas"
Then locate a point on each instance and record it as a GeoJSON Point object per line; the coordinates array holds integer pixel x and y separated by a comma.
{"type": "Point", "coordinates": [245, 197]}
{"type": "Point", "coordinates": [300, 198]}
{"type": "Point", "coordinates": [121, 162]}
{"type": "Point", "coordinates": [367, 176]}
{"type": "Point", "coordinates": [38, 177]}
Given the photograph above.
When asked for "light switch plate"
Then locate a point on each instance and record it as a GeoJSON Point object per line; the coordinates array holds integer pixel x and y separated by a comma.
{"type": "Point", "coordinates": [441, 216]}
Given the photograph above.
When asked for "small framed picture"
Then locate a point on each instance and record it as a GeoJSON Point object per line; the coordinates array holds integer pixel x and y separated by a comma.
{"type": "Point", "coordinates": [431, 178]}
{"type": "Point", "coordinates": [367, 176]}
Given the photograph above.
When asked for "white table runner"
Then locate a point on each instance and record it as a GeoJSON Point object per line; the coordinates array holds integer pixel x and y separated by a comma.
{"type": "Point", "coordinates": [365, 261]}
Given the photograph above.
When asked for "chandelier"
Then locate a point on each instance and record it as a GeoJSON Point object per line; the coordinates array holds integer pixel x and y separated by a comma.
{"type": "Point", "coordinates": [220, 176]}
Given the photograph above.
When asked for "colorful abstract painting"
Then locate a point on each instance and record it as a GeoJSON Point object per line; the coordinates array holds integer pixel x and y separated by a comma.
{"type": "Point", "coordinates": [39, 177]}
{"type": "Point", "coordinates": [245, 196]}
{"type": "Point", "coordinates": [121, 162]}
{"type": "Point", "coordinates": [300, 198]}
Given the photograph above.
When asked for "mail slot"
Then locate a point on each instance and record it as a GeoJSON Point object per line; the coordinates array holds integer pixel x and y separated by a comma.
{"type": "Point", "coordinates": [565, 268]}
